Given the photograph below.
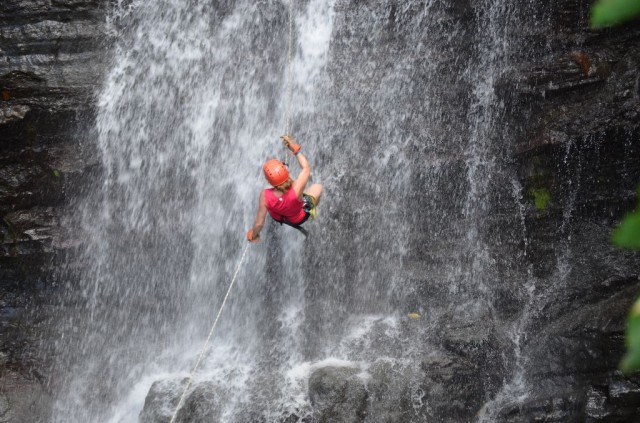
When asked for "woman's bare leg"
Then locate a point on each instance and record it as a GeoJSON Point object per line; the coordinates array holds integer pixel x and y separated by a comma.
{"type": "Point", "coordinates": [315, 191]}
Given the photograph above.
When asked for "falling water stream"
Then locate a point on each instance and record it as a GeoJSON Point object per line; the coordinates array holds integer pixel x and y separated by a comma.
{"type": "Point", "coordinates": [405, 134]}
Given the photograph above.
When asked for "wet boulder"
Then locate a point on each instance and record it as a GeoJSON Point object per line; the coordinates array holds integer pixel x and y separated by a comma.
{"type": "Point", "coordinates": [560, 407]}
{"type": "Point", "coordinates": [21, 395]}
{"type": "Point", "coordinates": [625, 392]}
{"type": "Point", "coordinates": [452, 385]}
{"type": "Point", "coordinates": [393, 393]}
{"type": "Point", "coordinates": [161, 401]}
{"type": "Point", "coordinates": [202, 403]}
{"type": "Point", "coordinates": [338, 394]}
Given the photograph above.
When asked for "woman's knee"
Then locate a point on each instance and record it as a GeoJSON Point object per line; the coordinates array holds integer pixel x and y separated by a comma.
{"type": "Point", "coordinates": [315, 190]}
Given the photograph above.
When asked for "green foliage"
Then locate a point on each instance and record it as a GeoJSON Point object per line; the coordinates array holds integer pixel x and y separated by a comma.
{"type": "Point", "coordinates": [56, 173]}
{"type": "Point", "coordinates": [631, 360]}
{"type": "Point", "coordinates": [541, 197]}
{"type": "Point", "coordinates": [627, 235]}
{"type": "Point", "coordinates": [613, 12]}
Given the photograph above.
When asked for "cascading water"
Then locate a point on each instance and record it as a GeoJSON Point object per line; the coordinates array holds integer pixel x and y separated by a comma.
{"type": "Point", "coordinates": [191, 107]}
{"type": "Point", "coordinates": [396, 110]}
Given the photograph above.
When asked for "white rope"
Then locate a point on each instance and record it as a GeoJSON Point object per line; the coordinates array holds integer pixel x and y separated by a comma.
{"type": "Point", "coordinates": [287, 112]}
{"type": "Point", "coordinates": [206, 344]}
{"type": "Point", "coordinates": [288, 93]}
{"type": "Point", "coordinates": [287, 129]}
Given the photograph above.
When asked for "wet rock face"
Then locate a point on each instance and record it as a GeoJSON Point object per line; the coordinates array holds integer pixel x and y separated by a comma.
{"type": "Point", "coordinates": [49, 64]}
{"type": "Point", "coordinates": [50, 60]}
{"type": "Point", "coordinates": [578, 162]}
{"type": "Point", "coordinates": [566, 144]}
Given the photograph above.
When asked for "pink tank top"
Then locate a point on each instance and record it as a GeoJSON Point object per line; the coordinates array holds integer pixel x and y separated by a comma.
{"type": "Point", "coordinates": [287, 207]}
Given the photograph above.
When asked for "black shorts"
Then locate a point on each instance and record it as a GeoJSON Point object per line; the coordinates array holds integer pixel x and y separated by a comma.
{"type": "Point", "coordinates": [308, 205]}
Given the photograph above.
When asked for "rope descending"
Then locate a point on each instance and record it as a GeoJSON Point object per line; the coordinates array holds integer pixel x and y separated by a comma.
{"type": "Point", "coordinates": [289, 93]}
{"type": "Point", "coordinates": [206, 344]}
{"type": "Point", "coordinates": [287, 112]}
{"type": "Point", "coordinates": [287, 129]}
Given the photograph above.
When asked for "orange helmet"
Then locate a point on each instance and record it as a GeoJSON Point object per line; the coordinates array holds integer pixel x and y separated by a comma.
{"type": "Point", "coordinates": [276, 172]}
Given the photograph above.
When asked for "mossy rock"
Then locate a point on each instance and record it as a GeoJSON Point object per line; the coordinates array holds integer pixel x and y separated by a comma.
{"type": "Point", "coordinates": [541, 197]}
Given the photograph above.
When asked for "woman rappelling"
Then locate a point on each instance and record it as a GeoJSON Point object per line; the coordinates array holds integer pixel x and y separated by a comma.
{"type": "Point", "coordinates": [287, 202]}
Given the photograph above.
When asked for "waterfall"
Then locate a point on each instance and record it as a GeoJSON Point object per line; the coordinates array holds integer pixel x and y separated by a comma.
{"type": "Point", "coordinates": [191, 107]}
{"type": "Point", "coordinates": [396, 109]}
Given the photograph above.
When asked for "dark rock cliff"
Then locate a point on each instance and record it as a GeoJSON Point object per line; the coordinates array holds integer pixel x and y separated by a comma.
{"type": "Point", "coordinates": [50, 64]}
{"type": "Point", "coordinates": [578, 159]}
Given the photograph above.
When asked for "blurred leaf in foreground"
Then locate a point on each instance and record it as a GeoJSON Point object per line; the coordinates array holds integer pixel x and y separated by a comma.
{"type": "Point", "coordinates": [627, 234]}
{"type": "Point", "coordinates": [612, 12]}
{"type": "Point", "coordinates": [631, 360]}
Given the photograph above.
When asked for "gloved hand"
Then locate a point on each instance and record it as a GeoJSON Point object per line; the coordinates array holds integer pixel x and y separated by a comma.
{"type": "Point", "coordinates": [251, 238]}
{"type": "Point", "coordinates": [290, 143]}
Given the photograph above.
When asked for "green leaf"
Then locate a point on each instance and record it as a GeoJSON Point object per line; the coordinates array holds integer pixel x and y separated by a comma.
{"type": "Point", "coordinates": [56, 173]}
{"type": "Point", "coordinates": [627, 234]}
{"type": "Point", "coordinates": [613, 12]}
{"type": "Point", "coordinates": [632, 338]}
{"type": "Point", "coordinates": [631, 360]}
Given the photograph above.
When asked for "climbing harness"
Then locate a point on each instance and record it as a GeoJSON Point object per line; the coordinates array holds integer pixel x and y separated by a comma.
{"type": "Point", "coordinates": [310, 209]}
{"type": "Point", "coordinates": [206, 343]}
{"type": "Point", "coordinates": [294, 226]}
